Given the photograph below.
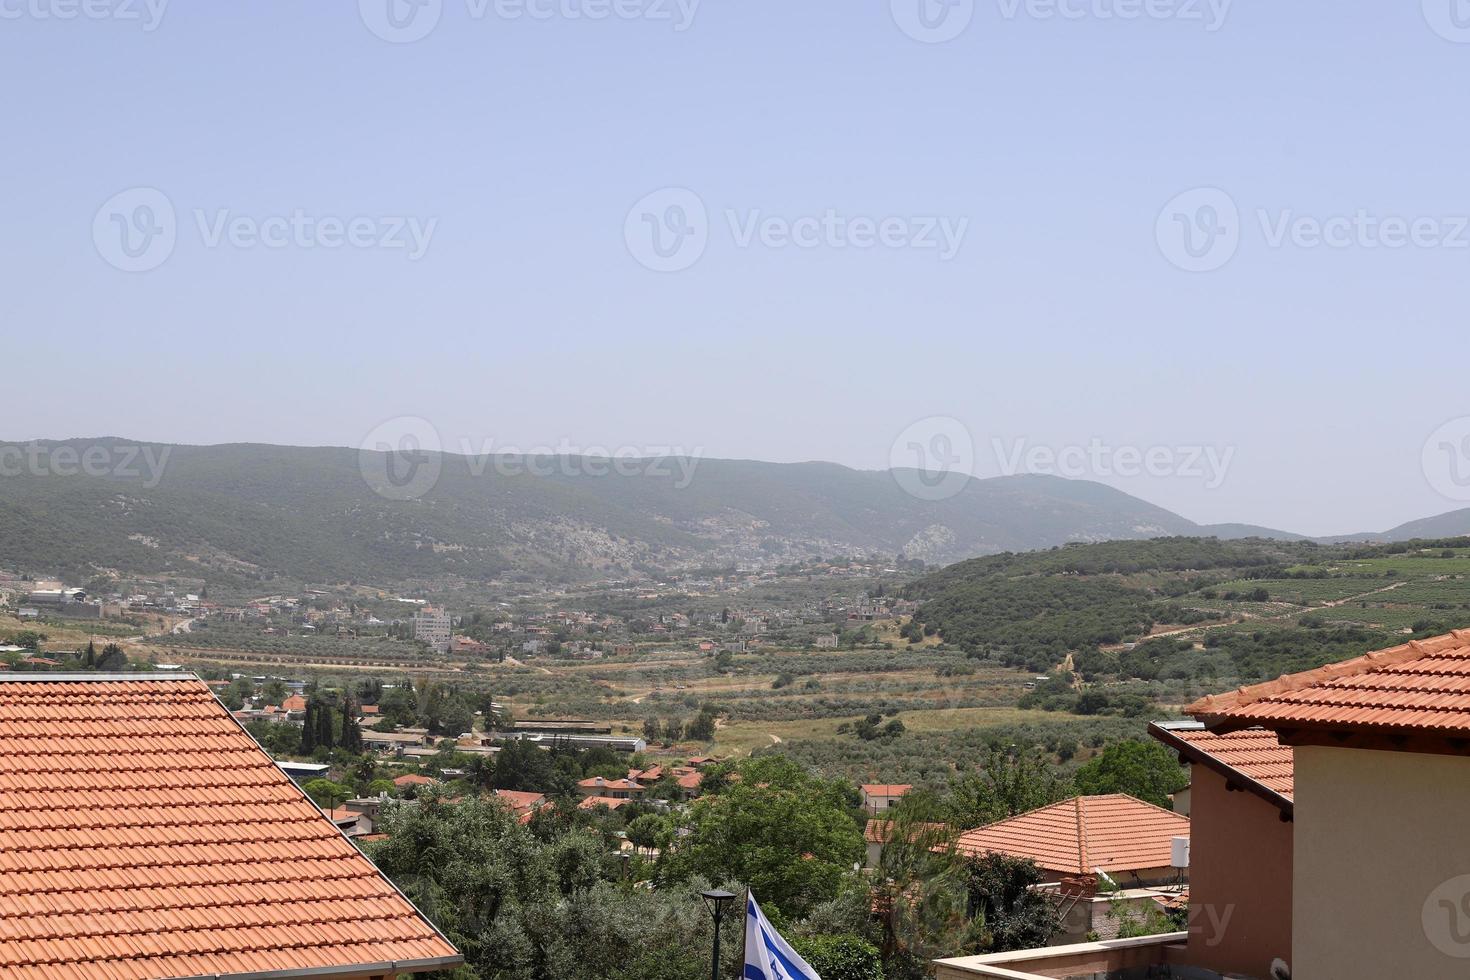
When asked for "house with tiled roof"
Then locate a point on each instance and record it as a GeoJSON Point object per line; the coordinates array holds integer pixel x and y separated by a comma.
{"type": "Point", "coordinates": [593, 802]}
{"type": "Point", "coordinates": [1126, 838]}
{"type": "Point", "coordinates": [617, 789]}
{"type": "Point", "coordinates": [878, 797]}
{"type": "Point", "coordinates": [523, 805]}
{"type": "Point", "coordinates": [1241, 838]}
{"type": "Point", "coordinates": [147, 836]}
{"type": "Point", "coordinates": [1093, 852]}
{"type": "Point", "coordinates": [1380, 788]}
{"type": "Point", "coordinates": [294, 703]}
{"type": "Point", "coordinates": [1376, 796]}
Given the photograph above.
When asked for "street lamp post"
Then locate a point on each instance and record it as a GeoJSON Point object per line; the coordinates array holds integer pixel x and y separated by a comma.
{"type": "Point", "coordinates": [718, 901]}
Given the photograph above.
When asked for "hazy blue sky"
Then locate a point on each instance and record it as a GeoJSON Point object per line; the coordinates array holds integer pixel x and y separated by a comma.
{"type": "Point", "coordinates": [1053, 137]}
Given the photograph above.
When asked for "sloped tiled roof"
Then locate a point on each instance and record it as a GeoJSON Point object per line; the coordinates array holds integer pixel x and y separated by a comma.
{"type": "Point", "coordinates": [519, 800]}
{"type": "Point", "coordinates": [1076, 836]}
{"type": "Point", "coordinates": [886, 789]}
{"type": "Point", "coordinates": [598, 782]}
{"type": "Point", "coordinates": [144, 835]}
{"type": "Point", "coordinates": [1421, 686]}
{"type": "Point", "coordinates": [1252, 757]}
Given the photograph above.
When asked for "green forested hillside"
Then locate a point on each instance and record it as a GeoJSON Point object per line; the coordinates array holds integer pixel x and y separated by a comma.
{"type": "Point", "coordinates": [1195, 611]}
{"type": "Point", "coordinates": [250, 513]}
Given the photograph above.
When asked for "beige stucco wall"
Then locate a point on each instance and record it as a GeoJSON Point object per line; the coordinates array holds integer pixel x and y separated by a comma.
{"type": "Point", "coordinates": [1381, 838]}
{"type": "Point", "coordinates": [1240, 877]}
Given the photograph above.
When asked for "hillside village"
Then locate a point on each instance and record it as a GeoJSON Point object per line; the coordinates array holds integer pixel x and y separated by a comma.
{"type": "Point", "coordinates": [1116, 850]}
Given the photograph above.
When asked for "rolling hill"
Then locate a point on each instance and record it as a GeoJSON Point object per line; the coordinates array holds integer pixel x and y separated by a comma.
{"type": "Point", "coordinates": [250, 513]}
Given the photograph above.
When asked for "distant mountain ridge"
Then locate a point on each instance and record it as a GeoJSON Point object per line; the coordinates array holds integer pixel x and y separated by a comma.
{"type": "Point", "coordinates": [248, 512]}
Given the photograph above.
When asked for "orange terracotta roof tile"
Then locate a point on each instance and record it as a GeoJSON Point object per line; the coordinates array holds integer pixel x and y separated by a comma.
{"type": "Point", "coordinates": [886, 789]}
{"type": "Point", "coordinates": [413, 779]}
{"type": "Point", "coordinates": [520, 801]}
{"type": "Point", "coordinates": [598, 782]}
{"type": "Point", "coordinates": [1421, 686]}
{"type": "Point", "coordinates": [145, 835]}
{"type": "Point", "coordinates": [593, 802]}
{"type": "Point", "coordinates": [1252, 757]}
{"type": "Point", "coordinates": [1115, 833]}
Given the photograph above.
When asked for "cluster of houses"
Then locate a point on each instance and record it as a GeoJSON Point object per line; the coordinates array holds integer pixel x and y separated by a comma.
{"type": "Point", "coordinates": [1321, 838]}
{"type": "Point", "coordinates": [613, 793]}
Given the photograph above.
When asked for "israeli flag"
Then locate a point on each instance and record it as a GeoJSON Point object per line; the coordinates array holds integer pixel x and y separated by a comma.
{"type": "Point", "coordinates": [767, 955]}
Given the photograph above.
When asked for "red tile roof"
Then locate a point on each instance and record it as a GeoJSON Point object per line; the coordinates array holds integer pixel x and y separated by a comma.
{"type": "Point", "coordinates": [879, 831]}
{"type": "Point", "coordinates": [1252, 758]}
{"type": "Point", "coordinates": [885, 789]}
{"type": "Point", "coordinates": [598, 782]}
{"type": "Point", "coordinates": [592, 802]}
{"type": "Point", "coordinates": [413, 779]}
{"type": "Point", "coordinates": [519, 800]}
{"type": "Point", "coordinates": [1421, 686]}
{"type": "Point", "coordinates": [1076, 836]}
{"type": "Point", "coordinates": [146, 835]}
{"type": "Point", "coordinates": [294, 703]}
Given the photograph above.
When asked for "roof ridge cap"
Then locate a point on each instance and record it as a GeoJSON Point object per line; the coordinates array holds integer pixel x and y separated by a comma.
{"type": "Point", "coordinates": [1081, 835]}
{"type": "Point", "coordinates": [1290, 683]}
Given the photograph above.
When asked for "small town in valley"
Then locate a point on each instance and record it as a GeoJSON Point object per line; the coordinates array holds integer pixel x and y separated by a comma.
{"type": "Point", "coordinates": [664, 490]}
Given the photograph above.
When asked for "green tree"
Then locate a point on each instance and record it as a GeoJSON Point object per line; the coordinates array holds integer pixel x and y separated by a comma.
{"type": "Point", "coordinates": [112, 658]}
{"type": "Point", "coordinates": [351, 739]}
{"type": "Point", "coordinates": [1006, 907]}
{"type": "Point", "coordinates": [1011, 783]}
{"type": "Point", "coordinates": [702, 727]}
{"type": "Point", "coordinates": [523, 908]}
{"type": "Point", "coordinates": [787, 834]}
{"type": "Point", "coordinates": [1145, 770]}
{"type": "Point", "coordinates": [918, 889]}
{"type": "Point", "coordinates": [326, 793]}
{"type": "Point", "coordinates": [840, 957]}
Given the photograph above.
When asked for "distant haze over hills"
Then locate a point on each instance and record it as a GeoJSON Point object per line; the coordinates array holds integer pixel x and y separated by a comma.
{"type": "Point", "coordinates": [253, 512]}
